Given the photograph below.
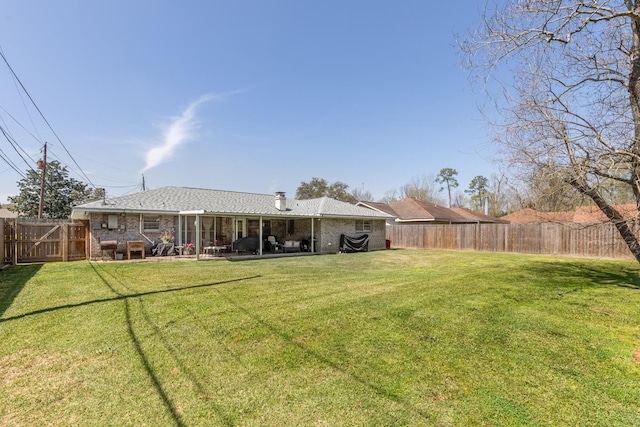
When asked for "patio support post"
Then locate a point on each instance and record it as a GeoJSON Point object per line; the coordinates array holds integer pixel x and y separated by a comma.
{"type": "Point", "coordinates": [312, 235]}
{"type": "Point", "coordinates": [207, 222]}
{"type": "Point", "coordinates": [198, 236]}
{"type": "Point", "coordinates": [2, 241]}
{"type": "Point", "coordinates": [260, 238]}
{"type": "Point", "coordinates": [179, 229]}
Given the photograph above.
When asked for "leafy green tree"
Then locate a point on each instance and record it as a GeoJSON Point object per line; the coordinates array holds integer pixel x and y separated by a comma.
{"type": "Point", "coordinates": [477, 191]}
{"type": "Point", "coordinates": [447, 177]}
{"type": "Point", "coordinates": [319, 187]}
{"type": "Point", "coordinates": [60, 195]}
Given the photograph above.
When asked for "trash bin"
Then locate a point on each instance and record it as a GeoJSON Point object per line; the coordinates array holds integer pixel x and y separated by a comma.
{"type": "Point", "coordinates": [388, 242]}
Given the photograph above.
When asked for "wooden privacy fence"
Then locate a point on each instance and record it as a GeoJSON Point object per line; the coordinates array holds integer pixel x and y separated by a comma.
{"type": "Point", "coordinates": [598, 240]}
{"type": "Point", "coordinates": [43, 240]}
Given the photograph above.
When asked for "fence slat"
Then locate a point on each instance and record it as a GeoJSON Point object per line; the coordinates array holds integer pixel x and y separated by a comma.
{"type": "Point", "coordinates": [43, 240]}
{"type": "Point", "coordinates": [592, 240]}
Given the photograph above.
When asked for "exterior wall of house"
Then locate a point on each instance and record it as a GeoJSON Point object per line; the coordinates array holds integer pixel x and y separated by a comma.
{"type": "Point", "coordinates": [301, 230]}
{"type": "Point", "coordinates": [279, 229]}
{"type": "Point", "coordinates": [128, 229]}
{"type": "Point", "coordinates": [328, 231]}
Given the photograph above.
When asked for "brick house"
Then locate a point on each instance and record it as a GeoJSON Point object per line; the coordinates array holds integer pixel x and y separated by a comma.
{"type": "Point", "coordinates": [203, 217]}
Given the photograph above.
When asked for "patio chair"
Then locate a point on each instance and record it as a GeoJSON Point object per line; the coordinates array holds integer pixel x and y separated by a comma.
{"type": "Point", "coordinates": [273, 243]}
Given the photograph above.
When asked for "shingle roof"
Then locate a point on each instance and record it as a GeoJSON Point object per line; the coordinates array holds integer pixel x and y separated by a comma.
{"type": "Point", "coordinates": [415, 210]}
{"type": "Point", "coordinates": [412, 209]}
{"type": "Point", "coordinates": [593, 214]}
{"type": "Point", "coordinates": [6, 213]}
{"type": "Point", "coordinates": [475, 216]}
{"type": "Point", "coordinates": [174, 200]}
{"type": "Point", "coordinates": [582, 215]}
{"type": "Point", "coordinates": [382, 207]}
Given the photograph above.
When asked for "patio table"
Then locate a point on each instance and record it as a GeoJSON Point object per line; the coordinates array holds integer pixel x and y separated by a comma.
{"type": "Point", "coordinates": [215, 250]}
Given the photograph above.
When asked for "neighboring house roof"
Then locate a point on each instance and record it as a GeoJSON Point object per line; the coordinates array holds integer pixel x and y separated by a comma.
{"type": "Point", "coordinates": [6, 213]}
{"type": "Point", "coordinates": [412, 210]}
{"type": "Point", "coordinates": [175, 200]}
{"type": "Point", "coordinates": [477, 217]}
{"type": "Point", "coordinates": [380, 207]}
{"type": "Point", "coordinates": [582, 215]}
{"type": "Point", "coordinates": [593, 214]}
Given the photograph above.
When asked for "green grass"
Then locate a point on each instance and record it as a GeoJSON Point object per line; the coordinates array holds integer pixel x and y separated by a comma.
{"type": "Point", "coordinates": [398, 337]}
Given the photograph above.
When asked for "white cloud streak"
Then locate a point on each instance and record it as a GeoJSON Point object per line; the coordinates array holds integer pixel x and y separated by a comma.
{"type": "Point", "coordinates": [180, 130]}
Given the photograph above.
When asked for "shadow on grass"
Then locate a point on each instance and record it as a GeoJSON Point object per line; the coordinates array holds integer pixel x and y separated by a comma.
{"type": "Point", "coordinates": [582, 275]}
{"type": "Point", "coordinates": [144, 359]}
{"type": "Point", "coordinates": [120, 296]}
{"type": "Point", "coordinates": [169, 405]}
{"type": "Point", "coordinates": [28, 271]}
{"type": "Point", "coordinates": [12, 281]}
{"type": "Point", "coordinates": [137, 344]}
{"type": "Point", "coordinates": [378, 390]}
{"type": "Point", "coordinates": [184, 369]}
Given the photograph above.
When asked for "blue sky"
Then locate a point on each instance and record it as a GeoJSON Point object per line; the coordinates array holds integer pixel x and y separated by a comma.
{"type": "Point", "coordinates": [254, 96]}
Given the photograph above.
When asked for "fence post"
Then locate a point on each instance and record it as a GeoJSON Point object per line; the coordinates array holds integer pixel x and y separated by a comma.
{"type": "Point", "coordinates": [2, 242]}
{"type": "Point", "coordinates": [14, 236]}
{"type": "Point", "coordinates": [65, 242]}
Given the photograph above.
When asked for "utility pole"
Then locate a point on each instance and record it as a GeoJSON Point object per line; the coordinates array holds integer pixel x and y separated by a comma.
{"type": "Point", "coordinates": [42, 164]}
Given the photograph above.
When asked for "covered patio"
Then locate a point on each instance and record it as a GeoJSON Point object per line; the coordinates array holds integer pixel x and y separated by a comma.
{"type": "Point", "coordinates": [208, 234]}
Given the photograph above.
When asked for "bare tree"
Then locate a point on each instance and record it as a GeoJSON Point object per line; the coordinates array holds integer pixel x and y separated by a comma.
{"type": "Point", "coordinates": [422, 187]}
{"type": "Point", "coordinates": [570, 104]}
{"type": "Point", "coordinates": [362, 195]}
{"type": "Point", "coordinates": [501, 195]}
{"type": "Point", "coordinates": [546, 190]}
{"type": "Point", "coordinates": [390, 196]}
{"type": "Point", "coordinates": [459, 199]}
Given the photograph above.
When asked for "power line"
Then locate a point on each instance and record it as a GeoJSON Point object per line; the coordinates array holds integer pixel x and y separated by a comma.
{"type": "Point", "coordinates": [15, 80]}
{"type": "Point", "coordinates": [13, 144]}
{"type": "Point", "coordinates": [20, 124]}
{"type": "Point", "coordinates": [12, 165]}
{"type": "Point", "coordinates": [45, 120]}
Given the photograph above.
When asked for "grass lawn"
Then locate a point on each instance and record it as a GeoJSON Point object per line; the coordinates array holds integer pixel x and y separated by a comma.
{"type": "Point", "coordinates": [389, 338]}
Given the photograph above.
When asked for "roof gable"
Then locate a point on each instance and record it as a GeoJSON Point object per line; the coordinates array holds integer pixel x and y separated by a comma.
{"type": "Point", "coordinates": [380, 207]}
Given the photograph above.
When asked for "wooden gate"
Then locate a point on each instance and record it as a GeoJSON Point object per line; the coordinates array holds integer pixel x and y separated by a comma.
{"type": "Point", "coordinates": [6, 241]}
{"type": "Point", "coordinates": [48, 240]}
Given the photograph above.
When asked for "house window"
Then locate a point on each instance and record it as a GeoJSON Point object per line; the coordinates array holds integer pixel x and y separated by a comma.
{"type": "Point", "coordinates": [151, 223]}
{"type": "Point", "coordinates": [290, 226]}
{"type": "Point", "coordinates": [363, 225]}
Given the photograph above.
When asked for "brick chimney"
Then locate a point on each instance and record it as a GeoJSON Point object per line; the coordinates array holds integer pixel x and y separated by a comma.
{"type": "Point", "coordinates": [281, 201]}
